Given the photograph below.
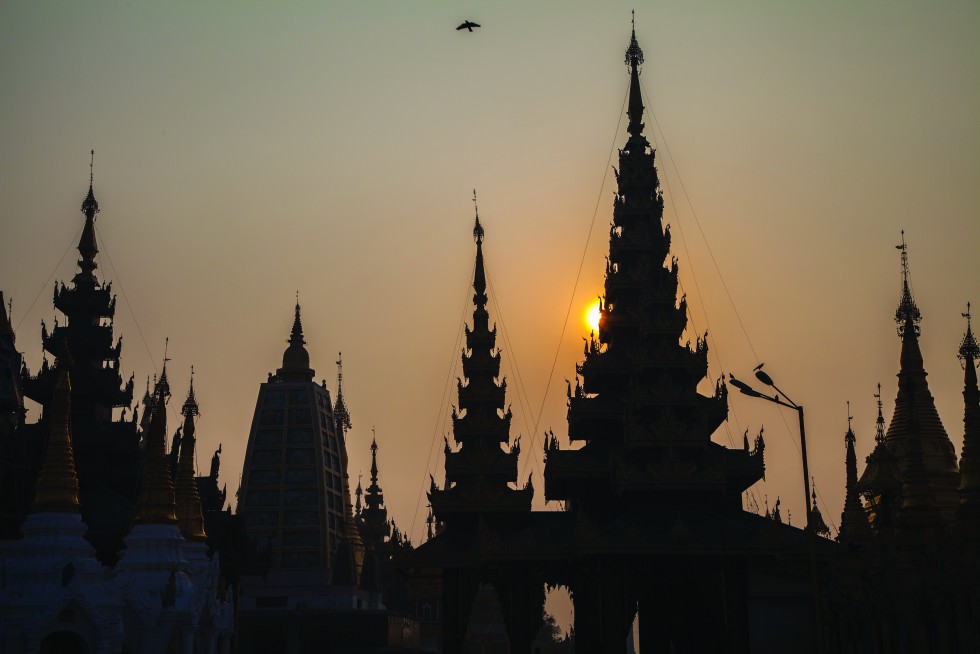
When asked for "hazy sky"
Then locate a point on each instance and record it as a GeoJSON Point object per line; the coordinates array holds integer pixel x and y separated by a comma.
{"type": "Point", "coordinates": [245, 150]}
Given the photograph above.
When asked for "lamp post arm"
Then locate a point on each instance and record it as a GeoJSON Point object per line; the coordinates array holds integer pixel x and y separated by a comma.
{"type": "Point", "coordinates": [806, 468]}
{"type": "Point", "coordinates": [792, 404]}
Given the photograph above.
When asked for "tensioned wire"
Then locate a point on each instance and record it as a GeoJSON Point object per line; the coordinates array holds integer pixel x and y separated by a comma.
{"type": "Point", "coordinates": [721, 277]}
{"type": "Point", "coordinates": [441, 413]}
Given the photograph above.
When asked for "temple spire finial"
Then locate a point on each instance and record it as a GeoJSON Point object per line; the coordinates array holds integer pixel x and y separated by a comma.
{"type": "Point", "coordinates": [634, 59]}
{"type": "Point", "coordinates": [374, 457]}
{"type": "Point", "coordinates": [187, 499]}
{"type": "Point", "coordinates": [880, 422]}
{"type": "Point", "coordinates": [479, 273]}
{"type": "Point", "coordinates": [477, 227]}
{"type": "Point", "coordinates": [340, 406]}
{"type": "Point", "coordinates": [87, 246]}
{"type": "Point", "coordinates": [190, 404]}
{"type": "Point", "coordinates": [969, 352]}
{"type": "Point", "coordinates": [908, 313]}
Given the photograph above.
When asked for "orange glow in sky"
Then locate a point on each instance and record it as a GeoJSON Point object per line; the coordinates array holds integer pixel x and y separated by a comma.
{"type": "Point", "coordinates": [592, 316]}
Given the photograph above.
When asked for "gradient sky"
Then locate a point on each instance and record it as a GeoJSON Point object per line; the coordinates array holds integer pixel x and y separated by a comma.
{"type": "Point", "coordinates": [245, 150]}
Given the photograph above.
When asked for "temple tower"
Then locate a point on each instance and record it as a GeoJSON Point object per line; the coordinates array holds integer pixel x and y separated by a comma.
{"type": "Point", "coordinates": [968, 513]}
{"type": "Point", "coordinates": [106, 447]}
{"type": "Point", "coordinates": [915, 430]}
{"type": "Point", "coordinates": [480, 473]}
{"type": "Point", "coordinates": [292, 482]}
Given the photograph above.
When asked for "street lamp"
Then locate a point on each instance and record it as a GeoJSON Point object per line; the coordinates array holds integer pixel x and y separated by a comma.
{"type": "Point", "coordinates": [782, 400]}
{"type": "Point", "coordinates": [785, 401]}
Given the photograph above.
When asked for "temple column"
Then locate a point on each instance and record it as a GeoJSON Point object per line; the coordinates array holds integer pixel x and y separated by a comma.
{"type": "Point", "coordinates": [458, 592]}
{"type": "Point", "coordinates": [604, 606]}
{"type": "Point", "coordinates": [521, 596]}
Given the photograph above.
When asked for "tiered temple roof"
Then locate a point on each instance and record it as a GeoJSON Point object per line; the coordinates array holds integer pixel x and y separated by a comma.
{"type": "Point", "coordinates": [480, 473]}
{"type": "Point", "coordinates": [646, 430]}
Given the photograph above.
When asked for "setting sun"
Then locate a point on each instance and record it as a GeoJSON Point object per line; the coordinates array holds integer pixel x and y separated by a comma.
{"type": "Point", "coordinates": [592, 316]}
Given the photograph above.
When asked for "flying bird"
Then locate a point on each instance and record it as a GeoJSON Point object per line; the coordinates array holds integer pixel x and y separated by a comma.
{"type": "Point", "coordinates": [467, 25]}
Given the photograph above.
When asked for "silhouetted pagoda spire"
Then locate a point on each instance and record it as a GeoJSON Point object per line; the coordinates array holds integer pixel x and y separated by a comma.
{"type": "Point", "coordinates": [156, 503]}
{"type": "Point", "coordinates": [634, 59]}
{"type": "Point", "coordinates": [926, 433]}
{"type": "Point", "coordinates": [340, 411]}
{"type": "Point", "coordinates": [57, 484]}
{"type": "Point", "coordinates": [853, 521]}
{"type": "Point", "coordinates": [479, 474]}
{"type": "Point", "coordinates": [106, 449]}
{"type": "Point", "coordinates": [190, 518]}
{"type": "Point", "coordinates": [87, 246]}
{"type": "Point", "coordinates": [351, 546]}
{"type": "Point", "coordinates": [296, 359]}
{"type": "Point", "coordinates": [881, 482]}
{"type": "Point", "coordinates": [969, 509]}
{"type": "Point", "coordinates": [374, 514]}
{"type": "Point", "coordinates": [635, 402]}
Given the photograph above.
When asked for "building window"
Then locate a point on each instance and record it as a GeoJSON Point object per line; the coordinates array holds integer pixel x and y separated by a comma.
{"type": "Point", "coordinates": [300, 559]}
{"type": "Point", "coordinates": [300, 497]}
{"type": "Point", "coordinates": [297, 396]}
{"type": "Point", "coordinates": [299, 435]}
{"type": "Point", "coordinates": [300, 517]}
{"type": "Point", "coordinates": [262, 498]}
{"type": "Point", "coordinates": [266, 457]}
{"type": "Point", "coordinates": [300, 476]}
{"type": "Point", "coordinates": [299, 455]}
{"type": "Point", "coordinates": [268, 437]}
{"type": "Point", "coordinates": [275, 397]}
{"type": "Point", "coordinates": [261, 518]}
{"type": "Point", "coordinates": [264, 478]}
{"type": "Point", "coordinates": [271, 417]}
{"type": "Point", "coordinates": [301, 539]}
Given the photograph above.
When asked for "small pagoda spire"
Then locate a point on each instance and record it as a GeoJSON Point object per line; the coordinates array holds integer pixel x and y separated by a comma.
{"type": "Point", "coordinates": [359, 492]}
{"type": "Point", "coordinates": [907, 314]}
{"type": "Point", "coordinates": [969, 509]}
{"type": "Point", "coordinates": [296, 359]}
{"type": "Point", "coordinates": [479, 274]}
{"type": "Point", "coordinates": [57, 484]}
{"type": "Point", "coordinates": [341, 414]}
{"type": "Point", "coordinates": [190, 518]}
{"type": "Point", "coordinates": [634, 59]}
{"type": "Point", "coordinates": [155, 503]}
{"type": "Point", "coordinates": [880, 422]}
{"type": "Point", "coordinates": [817, 522]}
{"type": "Point", "coordinates": [853, 520]}
{"type": "Point", "coordinates": [374, 460]}
{"type": "Point", "coordinates": [87, 246]}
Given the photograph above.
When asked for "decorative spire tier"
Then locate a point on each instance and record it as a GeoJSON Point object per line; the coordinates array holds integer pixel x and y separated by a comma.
{"type": "Point", "coordinates": [969, 509]}
{"type": "Point", "coordinates": [296, 359]}
{"type": "Point", "coordinates": [936, 450]}
{"type": "Point", "coordinates": [853, 520]}
{"type": "Point", "coordinates": [190, 518]}
{"type": "Point", "coordinates": [479, 474]}
{"type": "Point", "coordinates": [352, 534]}
{"type": "Point", "coordinates": [156, 503]}
{"type": "Point", "coordinates": [57, 484]}
{"type": "Point", "coordinates": [374, 516]}
{"type": "Point", "coordinates": [635, 402]}
{"type": "Point", "coordinates": [106, 445]}
{"type": "Point", "coordinates": [881, 482]}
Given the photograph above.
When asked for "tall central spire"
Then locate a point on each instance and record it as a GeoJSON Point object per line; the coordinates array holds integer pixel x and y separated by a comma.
{"type": "Point", "coordinates": [86, 244]}
{"type": "Point", "coordinates": [969, 510]}
{"type": "Point", "coordinates": [916, 434]}
{"type": "Point", "coordinates": [634, 59]}
{"type": "Point", "coordinates": [190, 519]}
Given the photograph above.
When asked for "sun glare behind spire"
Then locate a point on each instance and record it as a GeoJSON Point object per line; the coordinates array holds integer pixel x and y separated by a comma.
{"type": "Point", "coordinates": [591, 317]}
